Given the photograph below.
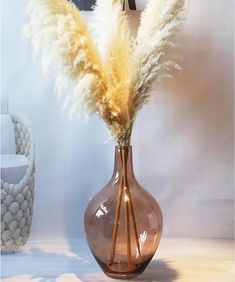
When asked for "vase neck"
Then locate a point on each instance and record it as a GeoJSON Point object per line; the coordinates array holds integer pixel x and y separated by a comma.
{"type": "Point", "coordinates": [123, 161]}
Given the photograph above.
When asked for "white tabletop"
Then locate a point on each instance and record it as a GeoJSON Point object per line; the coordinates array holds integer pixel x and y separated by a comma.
{"type": "Point", "coordinates": [178, 260]}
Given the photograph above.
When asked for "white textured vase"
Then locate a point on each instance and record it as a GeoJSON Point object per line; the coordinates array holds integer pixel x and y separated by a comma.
{"type": "Point", "coordinates": [17, 198]}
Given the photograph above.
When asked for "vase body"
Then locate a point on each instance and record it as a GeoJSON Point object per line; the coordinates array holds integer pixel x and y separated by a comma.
{"type": "Point", "coordinates": [123, 222]}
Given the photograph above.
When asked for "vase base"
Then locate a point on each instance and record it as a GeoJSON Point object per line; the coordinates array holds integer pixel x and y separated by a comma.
{"type": "Point", "coordinates": [123, 276]}
{"type": "Point", "coordinates": [120, 271]}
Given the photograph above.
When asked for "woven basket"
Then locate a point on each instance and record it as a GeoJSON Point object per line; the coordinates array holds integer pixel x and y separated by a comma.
{"type": "Point", "coordinates": [17, 199]}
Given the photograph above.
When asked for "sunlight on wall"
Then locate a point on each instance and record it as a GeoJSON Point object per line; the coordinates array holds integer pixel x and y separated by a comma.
{"type": "Point", "coordinates": [182, 143]}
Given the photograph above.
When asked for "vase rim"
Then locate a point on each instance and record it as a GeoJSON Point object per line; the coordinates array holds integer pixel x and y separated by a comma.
{"type": "Point", "coordinates": [123, 146]}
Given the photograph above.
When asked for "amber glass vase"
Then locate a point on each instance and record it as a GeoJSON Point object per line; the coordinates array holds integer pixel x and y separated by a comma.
{"type": "Point", "coordinates": [123, 222]}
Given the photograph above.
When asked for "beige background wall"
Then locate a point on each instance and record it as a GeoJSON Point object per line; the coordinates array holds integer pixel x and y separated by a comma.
{"type": "Point", "coordinates": [183, 141]}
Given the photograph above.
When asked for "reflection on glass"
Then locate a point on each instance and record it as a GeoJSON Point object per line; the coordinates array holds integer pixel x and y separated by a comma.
{"type": "Point", "coordinates": [101, 211]}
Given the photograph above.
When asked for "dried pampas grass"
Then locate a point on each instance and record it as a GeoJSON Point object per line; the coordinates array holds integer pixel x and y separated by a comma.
{"type": "Point", "coordinates": [153, 59]}
{"type": "Point", "coordinates": [113, 78]}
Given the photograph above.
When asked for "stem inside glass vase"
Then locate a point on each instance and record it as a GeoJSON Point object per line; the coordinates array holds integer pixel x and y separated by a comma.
{"type": "Point", "coordinates": [124, 155]}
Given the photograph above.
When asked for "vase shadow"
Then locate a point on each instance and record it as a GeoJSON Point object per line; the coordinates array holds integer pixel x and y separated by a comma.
{"type": "Point", "coordinates": [159, 270]}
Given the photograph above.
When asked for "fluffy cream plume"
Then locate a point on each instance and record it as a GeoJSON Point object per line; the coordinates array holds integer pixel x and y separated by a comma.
{"type": "Point", "coordinates": [60, 34]}
{"type": "Point", "coordinates": [152, 58]}
{"type": "Point", "coordinates": [118, 66]}
{"type": "Point", "coordinates": [112, 27]}
{"type": "Point", "coordinates": [105, 23]}
{"type": "Point", "coordinates": [115, 82]}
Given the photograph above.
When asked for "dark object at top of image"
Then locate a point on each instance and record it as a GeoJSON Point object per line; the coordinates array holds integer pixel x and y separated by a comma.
{"type": "Point", "coordinates": [86, 5]}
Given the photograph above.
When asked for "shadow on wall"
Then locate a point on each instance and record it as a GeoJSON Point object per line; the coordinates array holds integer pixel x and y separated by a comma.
{"type": "Point", "coordinates": [193, 140]}
{"type": "Point", "coordinates": [203, 108]}
{"type": "Point", "coordinates": [57, 267]}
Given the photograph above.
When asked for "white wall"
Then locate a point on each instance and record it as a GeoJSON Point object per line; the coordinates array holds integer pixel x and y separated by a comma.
{"type": "Point", "coordinates": [183, 141]}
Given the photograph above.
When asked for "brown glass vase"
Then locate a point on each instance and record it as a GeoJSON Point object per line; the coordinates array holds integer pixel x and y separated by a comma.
{"type": "Point", "coordinates": [123, 222]}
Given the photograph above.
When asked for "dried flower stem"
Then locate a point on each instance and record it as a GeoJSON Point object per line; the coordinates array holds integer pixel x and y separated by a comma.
{"type": "Point", "coordinates": [124, 195]}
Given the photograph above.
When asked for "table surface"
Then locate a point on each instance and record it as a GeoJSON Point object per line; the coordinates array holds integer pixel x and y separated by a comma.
{"type": "Point", "coordinates": [178, 259]}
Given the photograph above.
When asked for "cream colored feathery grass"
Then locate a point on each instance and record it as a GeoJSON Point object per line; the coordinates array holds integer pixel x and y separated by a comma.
{"type": "Point", "coordinates": [152, 58]}
{"type": "Point", "coordinates": [113, 81]}
{"type": "Point", "coordinates": [111, 26]}
{"type": "Point", "coordinates": [117, 66]}
{"type": "Point", "coordinates": [60, 34]}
